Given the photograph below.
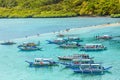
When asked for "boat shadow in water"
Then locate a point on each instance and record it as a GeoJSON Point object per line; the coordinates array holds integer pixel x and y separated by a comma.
{"type": "Point", "coordinates": [30, 50]}
{"type": "Point", "coordinates": [91, 74]}
{"type": "Point", "coordinates": [43, 68]}
{"type": "Point", "coordinates": [40, 66]}
{"type": "Point", "coordinates": [66, 48]}
{"type": "Point", "coordinates": [93, 51]}
{"type": "Point", "coordinates": [65, 68]}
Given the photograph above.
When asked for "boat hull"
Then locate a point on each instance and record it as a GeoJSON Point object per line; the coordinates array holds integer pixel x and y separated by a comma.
{"type": "Point", "coordinates": [92, 49]}
{"type": "Point", "coordinates": [32, 64]}
{"type": "Point", "coordinates": [29, 48]}
{"type": "Point", "coordinates": [53, 42]}
{"type": "Point", "coordinates": [8, 43]}
{"type": "Point", "coordinates": [66, 46]}
{"type": "Point", "coordinates": [78, 70]}
{"type": "Point", "coordinates": [88, 71]}
{"type": "Point", "coordinates": [62, 58]}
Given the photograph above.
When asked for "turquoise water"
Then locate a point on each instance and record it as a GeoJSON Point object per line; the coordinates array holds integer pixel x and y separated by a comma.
{"type": "Point", "coordinates": [13, 66]}
{"type": "Point", "coordinates": [16, 28]}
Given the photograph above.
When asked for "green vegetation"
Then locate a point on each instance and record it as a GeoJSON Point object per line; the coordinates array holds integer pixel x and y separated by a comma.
{"type": "Point", "coordinates": [58, 8]}
{"type": "Point", "coordinates": [115, 15]}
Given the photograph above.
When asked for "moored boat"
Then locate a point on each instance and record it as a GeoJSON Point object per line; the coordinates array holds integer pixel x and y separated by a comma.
{"type": "Point", "coordinates": [90, 68]}
{"type": "Point", "coordinates": [60, 35]}
{"type": "Point", "coordinates": [56, 41]}
{"type": "Point", "coordinates": [75, 56]}
{"type": "Point", "coordinates": [8, 43]}
{"type": "Point", "coordinates": [77, 62]}
{"type": "Point", "coordinates": [42, 62]}
{"type": "Point", "coordinates": [29, 48]}
{"type": "Point", "coordinates": [29, 44]}
{"type": "Point", "coordinates": [93, 47]}
{"type": "Point", "coordinates": [105, 37]}
{"type": "Point", "coordinates": [70, 45]}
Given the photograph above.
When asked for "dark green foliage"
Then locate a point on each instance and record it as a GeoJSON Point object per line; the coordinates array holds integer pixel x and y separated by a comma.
{"type": "Point", "coordinates": [115, 15]}
{"type": "Point", "coordinates": [58, 8]}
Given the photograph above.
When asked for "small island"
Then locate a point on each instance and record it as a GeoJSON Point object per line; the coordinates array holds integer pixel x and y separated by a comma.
{"type": "Point", "coordinates": [58, 8]}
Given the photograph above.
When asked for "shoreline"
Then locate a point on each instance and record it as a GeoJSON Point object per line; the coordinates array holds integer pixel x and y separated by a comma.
{"type": "Point", "coordinates": [108, 16]}
{"type": "Point", "coordinates": [64, 31]}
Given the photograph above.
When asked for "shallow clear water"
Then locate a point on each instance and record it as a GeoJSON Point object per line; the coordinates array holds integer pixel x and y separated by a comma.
{"type": "Point", "coordinates": [15, 28]}
{"type": "Point", "coordinates": [13, 66]}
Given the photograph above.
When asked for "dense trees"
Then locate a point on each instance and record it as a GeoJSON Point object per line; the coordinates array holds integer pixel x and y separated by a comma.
{"type": "Point", "coordinates": [58, 8]}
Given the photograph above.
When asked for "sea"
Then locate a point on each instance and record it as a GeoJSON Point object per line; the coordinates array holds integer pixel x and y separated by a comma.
{"type": "Point", "coordinates": [12, 60]}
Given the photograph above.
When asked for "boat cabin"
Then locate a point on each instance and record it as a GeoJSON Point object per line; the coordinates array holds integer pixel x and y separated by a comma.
{"type": "Point", "coordinates": [59, 40]}
{"type": "Point", "coordinates": [41, 59]}
{"type": "Point", "coordinates": [82, 61]}
{"type": "Point", "coordinates": [92, 66]}
{"type": "Point", "coordinates": [93, 45]}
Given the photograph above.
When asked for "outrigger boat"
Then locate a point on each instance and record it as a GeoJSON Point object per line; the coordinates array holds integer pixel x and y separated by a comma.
{"type": "Point", "coordinates": [56, 41]}
{"type": "Point", "coordinates": [75, 56]}
{"type": "Point", "coordinates": [93, 47]}
{"type": "Point", "coordinates": [42, 62]}
{"type": "Point", "coordinates": [29, 46]}
{"type": "Point", "coordinates": [90, 68]}
{"type": "Point", "coordinates": [60, 35]}
{"type": "Point", "coordinates": [77, 62]}
{"type": "Point", "coordinates": [105, 37]}
{"type": "Point", "coordinates": [8, 43]}
{"type": "Point", "coordinates": [70, 45]}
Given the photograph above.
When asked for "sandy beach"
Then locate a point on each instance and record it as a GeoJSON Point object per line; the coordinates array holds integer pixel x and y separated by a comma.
{"type": "Point", "coordinates": [70, 31]}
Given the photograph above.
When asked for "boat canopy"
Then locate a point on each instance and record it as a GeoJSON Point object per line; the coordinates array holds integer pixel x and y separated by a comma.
{"type": "Point", "coordinates": [59, 39]}
{"type": "Point", "coordinates": [106, 35]}
{"type": "Point", "coordinates": [84, 60]}
{"type": "Point", "coordinates": [90, 64]}
{"type": "Point", "coordinates": [81, 55]}
{"type": "Point", "coordinates": [73, 37]}
{"type": "Point", "coordinates": [93, 44]}
{"type": "Point", "coordinates": [42, 59]}
{"type": "Point", "coordinates": [72, 42]}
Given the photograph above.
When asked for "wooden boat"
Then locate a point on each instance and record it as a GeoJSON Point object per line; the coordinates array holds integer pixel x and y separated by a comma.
{"type": "Point", "coordinates": [70, 45]}
{"type": "Point", "coordinates": [29, 44]}
{"type": "Point", "coordinates": [75, 56]}
{"type": "Point", "coordinates": [105, 37]}
{"type": "Point", "coordinates": [91, 68]}
{"type": "Point", "coordinates": [65, 57]}
{"type": "Point", "coordinates": [56, 41]}
{"type": "Point", "coordinates": [60, 35]}
{"type": "Point", "coordinates": [29, 48]}
{"type": "Point", "coordinates": [77, 62]}
{"type": "Point", "coordinates": [8, 43]}
{"type": "Point", "coordinates": [93, 47]}
{"type": "Point", "coordinates": [42, 62]}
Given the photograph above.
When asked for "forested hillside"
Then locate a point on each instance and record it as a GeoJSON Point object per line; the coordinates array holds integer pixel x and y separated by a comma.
{"type": "Point", "coordinates": [58, 8]}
